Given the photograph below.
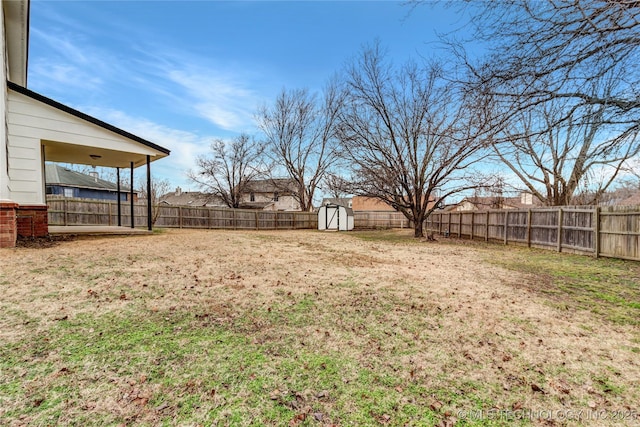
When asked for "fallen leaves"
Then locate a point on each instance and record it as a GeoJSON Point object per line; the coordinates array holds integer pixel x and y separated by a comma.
{"type": "Point", "coordinates": [537, 388]}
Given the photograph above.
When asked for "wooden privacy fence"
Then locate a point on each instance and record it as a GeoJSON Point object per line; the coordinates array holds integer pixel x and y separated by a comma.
{"type": "Point", "coordinates": [377, 219]}
{"type": "Point", "coordinates": [70, 211]}
{"type": "Point", "coordinates": [601, 231]}
{"type": "Point", "coordinates": [236, 219]}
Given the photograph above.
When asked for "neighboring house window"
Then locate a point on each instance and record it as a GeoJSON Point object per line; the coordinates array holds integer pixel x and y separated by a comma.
{"type": "Point", "coordinates": [252, 197]}
{"type": "Point", "coordinates": [275, 196]}
{"type": "Point", "coordinates": [49, 190]}
{"type": "Point", "coordinates": [68, 192]}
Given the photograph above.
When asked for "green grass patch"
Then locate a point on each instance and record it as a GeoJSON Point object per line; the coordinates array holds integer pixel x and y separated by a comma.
{"type": "Point", "coordinates": [609, 287]}
{"type": "Point", "coordinates": [393, 235]}
{"type": "Point", "coordinates": [177, 368]}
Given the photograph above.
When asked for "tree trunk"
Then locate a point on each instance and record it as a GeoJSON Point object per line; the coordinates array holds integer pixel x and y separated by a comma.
{"type": "Point", "coordinates": [418, 232]}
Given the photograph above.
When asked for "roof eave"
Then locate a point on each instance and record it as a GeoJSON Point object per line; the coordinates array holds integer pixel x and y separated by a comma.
{"type": "Point", "coordinates": [55, 104]}
{"type": "Point", "coordinates": [16, 14]}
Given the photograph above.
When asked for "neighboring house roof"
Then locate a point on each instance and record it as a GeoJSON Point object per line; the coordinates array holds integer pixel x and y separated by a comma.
{"type": "Point", "coordinates": [524, 201]}
{"type": "Point", "coordinates": [272, 185]}
{"type": "Point", "coordinates": [630, 201]}
{"type": "Point", "coordinates": [190, 198]}
{"type": "Point", "coordinates": [64, 177]}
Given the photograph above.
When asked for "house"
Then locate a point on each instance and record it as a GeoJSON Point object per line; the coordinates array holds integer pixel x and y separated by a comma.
{"type": "Point", "coordinates": [38, 129]}
{"type": "Point", "coordinates": [476, 203]}
{"type": "Point", "coordinates": [190, 198]}
{"type": "Point", "coordinates": [62, 181]}
{"type": "Point", "coordinates": [363, 203]}
{"type": "Point", "coordinates": [271, 194]}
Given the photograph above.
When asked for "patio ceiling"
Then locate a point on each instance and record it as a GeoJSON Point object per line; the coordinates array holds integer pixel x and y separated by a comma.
{"type": "Point", "coordinates": [63, 152]}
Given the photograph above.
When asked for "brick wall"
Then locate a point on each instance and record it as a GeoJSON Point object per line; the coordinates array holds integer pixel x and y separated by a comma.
{"type": "Point", "coordinates": [32, 221]}
{"type": "Point", "coordinates": [8, 226]}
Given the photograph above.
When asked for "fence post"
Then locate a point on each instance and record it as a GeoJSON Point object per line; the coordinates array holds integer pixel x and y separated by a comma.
{"type": "Point", "coordinates": [596, 232]}
{"type": "Point", "coordinates": [460, 225]}
{"type": "Point", "coordinates": [66, 210]}
{"type": "Point", "coordinates": [209, 218]}
{"type": "Point", "coordinates": [473, 215]}
{"type": "Point", "coordinates": [529, 228]}
{"type": "Point", "coordinates": [235, 221]}
{"type": "Point", "coordinates": [276, 220]}
{"type": "Point", "coordinates": [449, 226]}
{"type": "Point", "coordinates": [180, 216]}
{"type": "Point", "coordinates": [560, 219]}
{"type": "Point", "coordinates": [257, 221]}
{"type": "Point", "coordinates": [486, 228]}
{"type": "Point", "coordinates": [506, 226]}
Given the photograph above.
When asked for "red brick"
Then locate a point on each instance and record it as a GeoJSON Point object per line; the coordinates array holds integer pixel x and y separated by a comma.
{"type": "Point", "coordinates": [33, 221]}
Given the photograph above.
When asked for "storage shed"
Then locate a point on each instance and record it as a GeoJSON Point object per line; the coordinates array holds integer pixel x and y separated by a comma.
{"type": "Point", "coordinates": [335, 217]}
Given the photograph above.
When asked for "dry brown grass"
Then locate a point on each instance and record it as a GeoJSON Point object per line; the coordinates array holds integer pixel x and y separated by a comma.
{"type": "Point", "coordinates": [433, 327]}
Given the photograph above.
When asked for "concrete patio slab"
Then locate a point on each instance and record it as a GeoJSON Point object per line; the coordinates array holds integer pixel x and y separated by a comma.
{"type": "Point", "coordinates": [95, 230]}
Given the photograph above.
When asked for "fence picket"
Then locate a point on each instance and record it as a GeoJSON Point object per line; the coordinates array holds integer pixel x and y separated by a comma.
{"type": "Point", "coordinates": [599, 231]}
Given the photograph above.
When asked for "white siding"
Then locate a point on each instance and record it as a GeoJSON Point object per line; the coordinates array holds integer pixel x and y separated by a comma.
{"type": "Point", "coordinates": [284, 203]}
{"type": "Point", "coordinates": [25, 171]}
{"type": "Point", "coordinates": [4, 177]}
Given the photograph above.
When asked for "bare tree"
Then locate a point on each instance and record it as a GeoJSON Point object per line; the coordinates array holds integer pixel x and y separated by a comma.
{"type": "Point", "coordinates": [336, 185]}
{"type": "Point", "coordinates": [408, 135]}
{"type": "Point", "coordinates": [159, 187]}
{"type": "Point", "coordinates": [300, 131]}
{"type": "Point", "coordinates": [562, 77]}
{"type": "Point", "coordinates": [228, 170]}
{"type": "Point", "coordinates": [563, 154]}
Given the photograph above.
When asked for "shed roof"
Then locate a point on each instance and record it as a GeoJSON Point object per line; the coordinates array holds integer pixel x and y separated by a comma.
{"type": "Point", "coordinates": [344, 201]}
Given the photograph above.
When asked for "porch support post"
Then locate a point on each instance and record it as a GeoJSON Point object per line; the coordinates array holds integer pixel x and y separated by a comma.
{"type": "Point", "coordinates": [118, 194]}
{"type": "Point", "coordinates": [149, 192]}
{"type": "Point", "coordinates": [133, 222]}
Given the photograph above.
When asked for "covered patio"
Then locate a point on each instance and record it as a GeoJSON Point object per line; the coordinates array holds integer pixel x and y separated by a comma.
{"type": "Point", "coordinates": [55, 132]}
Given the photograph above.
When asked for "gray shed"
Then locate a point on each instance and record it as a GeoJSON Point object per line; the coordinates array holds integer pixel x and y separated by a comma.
{"type": "Point", "coordinates": [335, 217]}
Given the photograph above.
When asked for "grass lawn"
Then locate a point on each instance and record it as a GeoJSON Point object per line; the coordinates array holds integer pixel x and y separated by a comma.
{"type": "Point", "coordinates": [305, 328]}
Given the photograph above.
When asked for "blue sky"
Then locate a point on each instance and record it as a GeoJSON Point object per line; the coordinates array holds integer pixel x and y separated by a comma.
{"type": "Point", "coordinates": [181, 73]}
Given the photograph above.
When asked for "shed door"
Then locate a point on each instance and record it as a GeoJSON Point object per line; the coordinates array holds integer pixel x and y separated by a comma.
{"type": "Point", "coordinates": [333, 218]}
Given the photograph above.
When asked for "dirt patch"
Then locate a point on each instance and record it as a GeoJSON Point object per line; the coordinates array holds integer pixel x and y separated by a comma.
{"type": "Point", "coordinates": [42, 242]}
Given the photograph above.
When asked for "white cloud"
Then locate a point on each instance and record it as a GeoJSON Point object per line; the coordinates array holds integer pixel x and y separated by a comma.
{"type": "Point", "coordinates": [50, 76]}
{"type": "Point", "coordinates": [219, 95]}
{"type": "Point", "coordinates": [182, 82]}
{"type": "Point", "coordinates": [62, 45]}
